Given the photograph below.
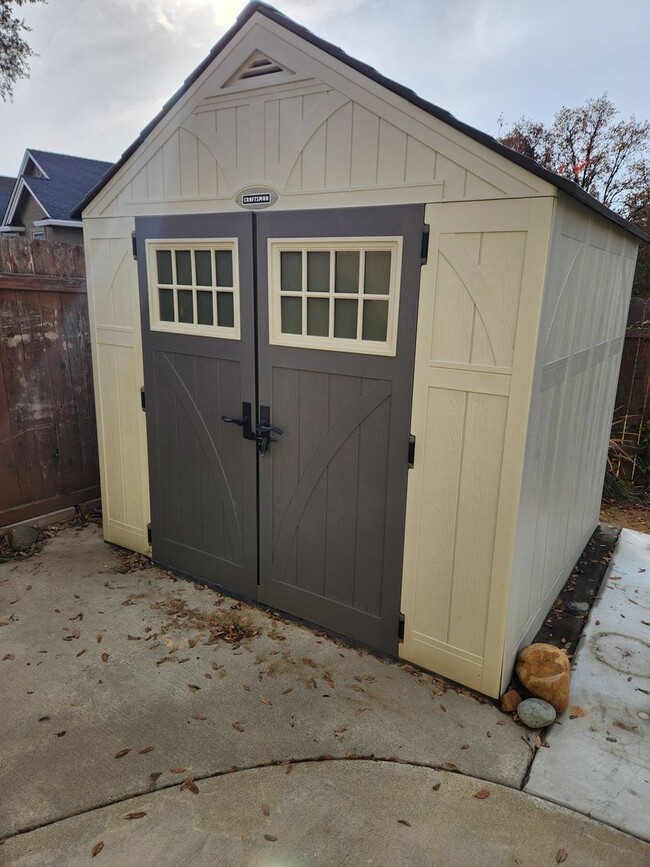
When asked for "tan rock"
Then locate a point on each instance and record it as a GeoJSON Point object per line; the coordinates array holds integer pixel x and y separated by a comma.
{"type": "Point", "coordinates": [545, 671]}
{"type": "Point", "coordinates": [510, 701]}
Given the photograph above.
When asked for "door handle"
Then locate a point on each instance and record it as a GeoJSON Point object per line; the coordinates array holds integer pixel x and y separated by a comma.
{"type": "Point", "coordinates": [240, 422]}
{"type": "Point", "coordinates": [264, 429]}
{"type": "Point", "coordinates": [244, 421]}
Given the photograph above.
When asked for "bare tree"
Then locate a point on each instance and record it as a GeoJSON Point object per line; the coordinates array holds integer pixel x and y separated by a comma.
{"type": "Point", "coordinates": [606, 156]}
{"type": "Point", "coordinates": [14, 49]}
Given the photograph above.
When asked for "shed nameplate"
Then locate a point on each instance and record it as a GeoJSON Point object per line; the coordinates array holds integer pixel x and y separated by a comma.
{"type": "Point", "coordinates": [255, 200]}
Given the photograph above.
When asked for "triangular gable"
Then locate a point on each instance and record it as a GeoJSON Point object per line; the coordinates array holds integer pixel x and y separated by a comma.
{"type": "Point", "coordinates": [336, 119]}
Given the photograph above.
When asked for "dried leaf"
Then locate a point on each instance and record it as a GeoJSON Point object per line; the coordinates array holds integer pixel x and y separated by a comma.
{"type": "Point", "coordinates": [153, 779]}
{"type": "Point", "coordinates": [134, 637]}
{"type": "Point", "coordinates": [97, 848]}
{"type": "Point", "coordinates": [140, 814]}
{"type": "Point", "coordinates": [449, 766]}
{"type": "Point", "coordinates": [436, 788]}
{"type": "Point", "coordinates": [287, 690]}
{"type": "Point", "coordinates": [43, 718]}
{"type": "Point", "coordinates": [270, 837]}
{"type": "Point", "coordinates": [443, 708]}
{"type": "Point", "coordinates": [216, 666]}
{"type": "Point", "coordinates": [105, 657]}
{"type": "Point", "coordinates": [193, 687]}
{"type": "Point", "coordinates": [351, 754]}
{"type": "Point", "coordinates": [266, 810]}
{"type": "Point", "coordinates": [198, 716]}
{"type": "Point", "coordinates": [146, 750]}
{"type": "Point", "coordinates": [177, 770]}
{"type": "Point", "coordinates": [482, 794]}
{"type": "Point", "coordinates": [404, 822]}
{"type": "Point", "coordinates": [99, 637]}
{"type": "Point", "coordinates": [60, 734]}
{"type": "Point", "coordinates": [208, 676]}
{"type": "Point", "coordinates": [265, 701]}
{"type": "Point", "coordinates": [8, 656]}
{"type": "Point", "coordinates": [289, 768]}
{"type": "Point", "coordinates": [238, 726]}
{"type": "Point", "coordinates": [369, 678]}
{"type": "Point", "coordinates": [81, 652]}
{"type": "Point", "coordinates": [326, 757]}
{"type": "Point", "coordinates": [561, 856]}
{"type": "Point", "coordinates": [122, 753]}
{"type": "Point", "coordinates": [191, 785]}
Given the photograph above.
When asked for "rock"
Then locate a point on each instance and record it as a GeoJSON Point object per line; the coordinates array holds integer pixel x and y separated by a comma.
{"type": "Point", "coordinates": [510, 701]}
{"type": "Point", "coordinates": [577, 607]}
{"type": "Point", "coordinates": [22, 538]}
{"type": "Point", "coordinates": [535, 713]}
{"type": "Point", "coordinates": [545, 671]}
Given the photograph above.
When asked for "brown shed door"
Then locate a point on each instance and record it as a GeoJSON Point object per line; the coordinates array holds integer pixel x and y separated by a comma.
{"type": "Point", "coordinates": [336, 302]}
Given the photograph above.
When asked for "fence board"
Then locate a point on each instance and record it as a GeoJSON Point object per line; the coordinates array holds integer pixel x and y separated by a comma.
{"type": "Point", "coordinates": [630, 426]}
{"type": "Point", "coordinates": [48, 441]}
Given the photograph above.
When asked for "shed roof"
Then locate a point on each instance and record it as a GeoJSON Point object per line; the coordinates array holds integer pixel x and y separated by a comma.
{"type": "Point", "coordinates": [569, 187]}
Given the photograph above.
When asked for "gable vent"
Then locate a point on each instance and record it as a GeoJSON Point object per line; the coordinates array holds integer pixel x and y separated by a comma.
{"type": "Point", "coordinates": [263, 66]}
{"type": "Point", "coordinates": [257, 66]}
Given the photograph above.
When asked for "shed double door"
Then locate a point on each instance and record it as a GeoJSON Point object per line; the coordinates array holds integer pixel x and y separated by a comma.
{"type": "Point", "coordinates": [303, 322]}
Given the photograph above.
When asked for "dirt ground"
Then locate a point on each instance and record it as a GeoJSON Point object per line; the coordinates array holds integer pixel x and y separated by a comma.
{"type": "Point", "coordinates": [634, 516]}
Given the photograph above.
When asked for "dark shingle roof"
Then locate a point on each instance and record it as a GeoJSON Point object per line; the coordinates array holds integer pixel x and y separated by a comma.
{"type": "Point", "coordinates": [68, 180]}
{"type": "Point", "coordinates": [6, 188]}
{"type": "Point", "coordinates": [572, 189]}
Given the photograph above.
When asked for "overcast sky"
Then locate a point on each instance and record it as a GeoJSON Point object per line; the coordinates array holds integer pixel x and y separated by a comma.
{"type": "Point", "coordinates": [105, 67]}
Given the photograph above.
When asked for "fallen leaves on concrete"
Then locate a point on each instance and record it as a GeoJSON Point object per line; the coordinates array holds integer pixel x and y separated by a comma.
{"type": "Point", "coordinates": [189, 783]}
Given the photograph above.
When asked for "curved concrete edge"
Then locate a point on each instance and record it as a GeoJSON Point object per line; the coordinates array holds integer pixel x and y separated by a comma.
{"type": "Point", "coordinates": [330, 813]}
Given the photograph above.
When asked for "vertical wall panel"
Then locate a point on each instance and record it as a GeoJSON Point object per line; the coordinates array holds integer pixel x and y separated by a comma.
{"type": "Point", "coordinates": [586, 298]}
{"type": "Point", "coordinates": [469, 407]}
{"type": "Point", "coordinates": [113, 303]}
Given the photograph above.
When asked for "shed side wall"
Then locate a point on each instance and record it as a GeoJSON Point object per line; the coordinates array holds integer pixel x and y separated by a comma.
{"type": "Point", "coordinates": [586, 298]}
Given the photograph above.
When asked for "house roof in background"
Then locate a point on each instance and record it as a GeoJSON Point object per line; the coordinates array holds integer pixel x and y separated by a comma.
{"type": "Point", "coordinates": [68, 179]}
{"type": "Point", "coordinates": [569, 187]}
{"type": "Point", "coordinates": [65, 180]}
{"type": "Point", "coordinates": [6, 188]}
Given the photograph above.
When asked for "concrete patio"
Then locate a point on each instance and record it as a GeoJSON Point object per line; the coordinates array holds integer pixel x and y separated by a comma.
{"type": "Point", "coordinates": [135, 689]}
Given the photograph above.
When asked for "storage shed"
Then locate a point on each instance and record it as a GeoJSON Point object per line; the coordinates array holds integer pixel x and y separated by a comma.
{"type": "Point", "coordinates": [376, 351]}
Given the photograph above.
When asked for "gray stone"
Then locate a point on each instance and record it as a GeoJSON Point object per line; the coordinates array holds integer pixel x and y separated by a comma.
{"type": "Point", "coordinates": [22, 538]}
{"type": "Point", "coordinates": [535, 713]}
{"type": "Point", "coordinates": [577, 607]}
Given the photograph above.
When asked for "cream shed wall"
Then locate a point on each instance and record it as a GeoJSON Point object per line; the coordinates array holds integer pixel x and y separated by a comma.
{"type": "Point", "coordinates": [581, 334]}
{"type": "Point", "coordinates": [324, 135]}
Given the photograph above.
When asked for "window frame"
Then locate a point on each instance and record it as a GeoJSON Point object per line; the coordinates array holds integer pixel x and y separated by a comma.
{"type": "Point", "coordinates": [361, 244]}
{"type": "Point", "coordinates": [193, 329]}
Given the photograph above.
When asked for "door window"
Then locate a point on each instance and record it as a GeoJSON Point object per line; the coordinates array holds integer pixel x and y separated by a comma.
{"type": "Point", "coordinates": [194, 287]}
{"type": "Point", "coordinates": [335, 294]}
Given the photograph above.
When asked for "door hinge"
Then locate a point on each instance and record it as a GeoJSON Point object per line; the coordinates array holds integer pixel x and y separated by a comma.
{"type": "Point", "coordinates": [149, 533]}
{"type": "Point", "coordinates": [424, 248]}
{"type": "Point", "coordinates": [134, 245]}
{"type": "Point", "coordinates": [400, 628]}
{"type": "Point", "coordinates": [143, 400]}
{"type": "Point", "coordinates": [411, 456]}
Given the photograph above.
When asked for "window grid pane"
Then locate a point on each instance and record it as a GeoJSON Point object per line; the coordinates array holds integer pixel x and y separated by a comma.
{"type": "Point", "coordinates": [337, 295]}
{"type": "Point", "coordinates": [186, 289]}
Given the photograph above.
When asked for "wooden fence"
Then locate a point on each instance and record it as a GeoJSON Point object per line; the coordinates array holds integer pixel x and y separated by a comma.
{"type": "Point", "coordinates": [631, 423]}
{"type": "Point", "coordinates": [48, 440]}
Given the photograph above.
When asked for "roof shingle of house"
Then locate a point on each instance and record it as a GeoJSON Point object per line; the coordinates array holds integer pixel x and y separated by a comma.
{"type": "Point", "coordinates": [68, 180]}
